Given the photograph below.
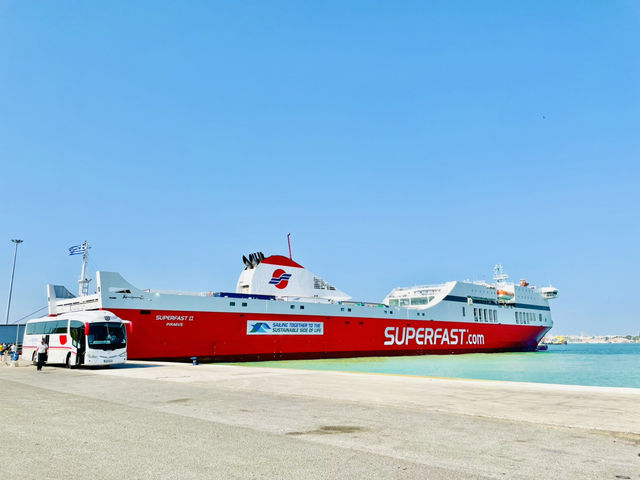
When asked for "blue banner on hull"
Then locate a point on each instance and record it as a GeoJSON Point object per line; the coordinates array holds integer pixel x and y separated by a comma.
{"type": "Point", "coordinates": [261, 327]}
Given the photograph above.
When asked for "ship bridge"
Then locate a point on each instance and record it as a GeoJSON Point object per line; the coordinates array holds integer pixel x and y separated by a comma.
{"type": "Point", "coordinates": [420, 296]}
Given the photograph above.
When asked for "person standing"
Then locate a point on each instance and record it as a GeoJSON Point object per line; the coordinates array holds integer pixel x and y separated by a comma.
{"type": "Point", "coordinates": [42, 353]}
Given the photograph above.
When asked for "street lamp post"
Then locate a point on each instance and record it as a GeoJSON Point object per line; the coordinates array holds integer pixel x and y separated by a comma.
{"type": "Point", "coordinates": [13, 271]}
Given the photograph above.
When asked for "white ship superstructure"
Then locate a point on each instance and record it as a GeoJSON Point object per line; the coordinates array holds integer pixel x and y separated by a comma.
{"type": "Point", "coordinates": [501, 302]}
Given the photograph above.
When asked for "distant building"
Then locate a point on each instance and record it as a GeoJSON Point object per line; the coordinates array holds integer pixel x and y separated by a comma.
{"type": "Point", "coordinates": [8, 333]}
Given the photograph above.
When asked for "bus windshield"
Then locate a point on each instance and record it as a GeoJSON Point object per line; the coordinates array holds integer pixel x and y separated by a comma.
{"type": "Point", "coordinates": [106, 336]}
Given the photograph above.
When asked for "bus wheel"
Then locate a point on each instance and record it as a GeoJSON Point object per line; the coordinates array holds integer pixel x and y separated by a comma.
{"type": "Point", "coordinates": [67, 362]}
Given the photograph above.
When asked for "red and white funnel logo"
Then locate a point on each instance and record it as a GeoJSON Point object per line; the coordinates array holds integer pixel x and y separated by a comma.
{"type": "Point", "coordinates": [280, 279]}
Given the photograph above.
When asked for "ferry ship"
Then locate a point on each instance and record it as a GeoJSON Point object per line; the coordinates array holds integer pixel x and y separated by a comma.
{"type": "Point", "coordinates": [281, 310]}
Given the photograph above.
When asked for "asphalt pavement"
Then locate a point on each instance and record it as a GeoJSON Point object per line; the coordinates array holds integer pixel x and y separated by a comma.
{"type": "Point", "coordinates": [166, 420]}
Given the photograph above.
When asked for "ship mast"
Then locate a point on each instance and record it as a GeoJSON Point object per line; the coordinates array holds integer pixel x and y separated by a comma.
{"type": "Point", "coordinates": [498, 274]}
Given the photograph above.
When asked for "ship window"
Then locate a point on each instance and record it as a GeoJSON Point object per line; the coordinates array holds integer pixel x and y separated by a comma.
{"type": "Point", "coordinates": [293, 306]}
{"type": "Point", "coordinates": [301, 307]}
{"type": "Point", "coordinates": [244, 304]}
{"type": "Point", "coordinates": [393, 301]}
{"type": "Point", "coordinates": [475, 314]}
{"type": "Point", "coordinates": [342, 310]}
{"type": "Point", "coordinates": [233, 304]}
{"type": "Point", "coordinates": [348, 309]}
{"type": "Point", "coordinates": [463, 312]}
{"type": "Point", "coordinates": [540, 315]}
{"type": "Point", "coordinates": [485, 315]}
{"type": "Point", "coordinates": [390, 312]}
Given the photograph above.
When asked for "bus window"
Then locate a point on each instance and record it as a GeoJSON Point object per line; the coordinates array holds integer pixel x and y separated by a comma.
{"type": "Point", "coordinates": [60, 327]}
{"type": "Point", "coordinates": [38, 328]}
{"type": "Point", "coordinates": [107, 336]}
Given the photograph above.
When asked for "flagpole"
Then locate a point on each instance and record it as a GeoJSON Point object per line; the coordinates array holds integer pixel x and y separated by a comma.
{"type": "Point", "coordinates": [83, 283]}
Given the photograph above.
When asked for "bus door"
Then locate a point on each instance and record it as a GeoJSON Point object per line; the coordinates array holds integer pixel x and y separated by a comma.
{"type": "Point", "coordinates": [46, 340]}
{"type": "Point", "coordinates": [78, 340]}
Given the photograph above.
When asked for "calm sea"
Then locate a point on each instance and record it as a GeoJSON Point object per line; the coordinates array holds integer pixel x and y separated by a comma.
{"type": "Point", "coordinates": [610, 365]}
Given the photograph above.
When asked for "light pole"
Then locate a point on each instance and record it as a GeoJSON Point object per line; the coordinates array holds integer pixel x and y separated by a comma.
{"type": "Point", "coordinates": [13, 271]}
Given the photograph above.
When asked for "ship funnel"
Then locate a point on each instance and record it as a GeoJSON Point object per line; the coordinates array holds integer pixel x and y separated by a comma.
{"type": "Point", "coordinates": [280, 276]}
{"type": "Point", "coordinates": [253, 260]}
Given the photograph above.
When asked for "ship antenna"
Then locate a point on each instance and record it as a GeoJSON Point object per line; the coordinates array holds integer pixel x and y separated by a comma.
{"type": "Point", "coordinates": [289, 242]}
{"type": "Point", "coordinates": [83, 283]}
{"type": "Point", "coordinates": [498, 274]}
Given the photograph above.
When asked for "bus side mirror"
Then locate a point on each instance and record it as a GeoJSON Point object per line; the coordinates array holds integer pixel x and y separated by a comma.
{"type": "Point", "coordinates": [129, 326]}
{"type": "Point", "coordinates": [86, 329]}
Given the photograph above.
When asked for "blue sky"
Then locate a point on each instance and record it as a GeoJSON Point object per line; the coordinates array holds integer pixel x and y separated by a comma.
{"type": "Point", "coordinates": [399, 143]}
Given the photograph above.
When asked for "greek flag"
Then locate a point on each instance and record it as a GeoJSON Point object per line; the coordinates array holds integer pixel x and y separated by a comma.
{"type": "Point", "coordinates": [77, 249]}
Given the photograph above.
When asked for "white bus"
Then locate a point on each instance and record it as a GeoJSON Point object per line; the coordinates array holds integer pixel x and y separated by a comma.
{"type": "Point", "coordinates": [78, 338]}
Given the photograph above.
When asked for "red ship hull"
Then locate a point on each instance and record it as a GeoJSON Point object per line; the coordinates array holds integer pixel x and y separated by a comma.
{"type": "Point", "coordinates": [222, 336]}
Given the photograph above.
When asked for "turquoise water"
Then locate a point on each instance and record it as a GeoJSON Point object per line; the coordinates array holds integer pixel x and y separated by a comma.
{"type": "Point", "coordinates": [610, 365]}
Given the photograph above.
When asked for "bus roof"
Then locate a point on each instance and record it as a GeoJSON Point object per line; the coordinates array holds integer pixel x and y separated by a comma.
{"type": "Point", "coordinates": [83, 316]}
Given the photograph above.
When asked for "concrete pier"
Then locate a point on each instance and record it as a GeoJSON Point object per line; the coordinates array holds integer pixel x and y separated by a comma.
{"type": "Point", "coordinates": [162, 420]}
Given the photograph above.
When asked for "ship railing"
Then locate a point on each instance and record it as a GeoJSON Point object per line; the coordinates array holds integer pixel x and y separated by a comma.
{"type": "Point", "coordinates": [350, 303]}
{"type": "Point", "coordinates": [362, 304]}
{"type": "Point", "coordinates": [178, 292]}
{"type": "Point", "coordinates": [75, 304]}
{"type": "Point", "coordinates": [304, 299]}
